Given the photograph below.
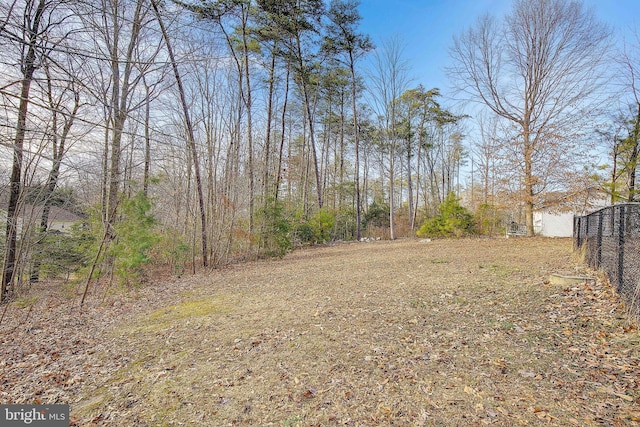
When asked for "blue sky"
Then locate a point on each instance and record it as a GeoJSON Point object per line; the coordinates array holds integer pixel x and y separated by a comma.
{"type": "Point", "coordinates": [427, 27]}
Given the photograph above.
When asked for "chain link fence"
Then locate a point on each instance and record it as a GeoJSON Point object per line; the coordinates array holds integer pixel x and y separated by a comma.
{"type": "Point", "coordinates": [610, 239]}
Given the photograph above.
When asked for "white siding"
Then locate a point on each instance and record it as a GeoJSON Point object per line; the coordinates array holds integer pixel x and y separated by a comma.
{"type": "Point", "coordinates": [553, 224]}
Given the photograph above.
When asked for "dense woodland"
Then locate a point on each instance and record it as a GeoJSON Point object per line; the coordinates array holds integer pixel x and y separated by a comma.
{"type": "Point", "coordinates": [191, 134]}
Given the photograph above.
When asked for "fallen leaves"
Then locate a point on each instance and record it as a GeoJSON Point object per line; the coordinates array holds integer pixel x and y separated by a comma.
{"type": "Point", "coordinates": [310, 393]}
{"type": "Point", "coordinates": [374, 334]}
{"type": "Point", "coordinates": [609, 390]}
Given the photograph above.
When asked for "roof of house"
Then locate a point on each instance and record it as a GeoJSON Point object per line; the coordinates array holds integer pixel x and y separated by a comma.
{"type": "Point", "coordinates": [55, 213]}
{"type": "Point", "coordinates": [30, 212]}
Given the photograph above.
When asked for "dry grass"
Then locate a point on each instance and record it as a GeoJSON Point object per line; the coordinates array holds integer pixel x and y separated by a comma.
{"type": "Point", "coordinates": [465, 332]}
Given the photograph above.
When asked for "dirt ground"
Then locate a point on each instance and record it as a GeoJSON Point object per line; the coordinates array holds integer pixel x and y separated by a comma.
{"type": "Point", "coordinates": [406, 333]}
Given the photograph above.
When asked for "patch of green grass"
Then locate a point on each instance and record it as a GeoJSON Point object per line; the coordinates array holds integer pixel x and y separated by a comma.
{"type": "Point", "coordinates": [193, 309]}
{"type": "Point", "coordinates": [507, 326]}
{"type": "Point", "coordinates": [292, 421]}
{"type": "Point", "coordinates": [502, 324]}
{"type": "Point", "coordinates": [24, 302]}
{"type": "Point", "coordinates": [498, 269]}
{"type": "Point", "coordinates": [92, 403]}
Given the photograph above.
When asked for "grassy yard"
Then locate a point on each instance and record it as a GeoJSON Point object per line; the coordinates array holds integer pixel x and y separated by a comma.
{"type": "Point", "coordinates": [456, 332]}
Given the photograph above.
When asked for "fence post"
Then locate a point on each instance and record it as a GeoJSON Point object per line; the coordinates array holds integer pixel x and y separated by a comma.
{"type": "Point", "coordinates": [621, 233]}
{"type": "Point", "coordinates": [586, 226]}
{"type": "Point", "coordinates": [599, 241]}
{"type": "Point", "coordinates": [588, 241]}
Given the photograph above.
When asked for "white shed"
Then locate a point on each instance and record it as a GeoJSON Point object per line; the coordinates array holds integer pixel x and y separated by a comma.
{"type": "Point", "coordinates": [555, 217]}
{"type": "Point", "coordinates": [549, 224]}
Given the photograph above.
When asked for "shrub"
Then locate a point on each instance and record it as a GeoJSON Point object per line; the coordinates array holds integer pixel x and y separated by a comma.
{"type": "Point", "coordinates": [319, 228]}
{"type": "Point", "coordinates": [377, 215]}
{"type": "Point", "coordinates": [135, 238]}
{"type": "Point", "coordinates": [345, 224]}
{"type": "Point", "coordinates": [171, 251]}
{"type": "Point", "coordinates": [489, 220]}
{"type": "Point", "coordinates": [304, 233]}
{"type": "Point", "coordinates": [64, 253]}
{"type": "Point", "coordinates": [322, 223]}
{"type": "Point", "coordinates": [276, 228]}
{"type": "Point", "coordinates": [453, 220]}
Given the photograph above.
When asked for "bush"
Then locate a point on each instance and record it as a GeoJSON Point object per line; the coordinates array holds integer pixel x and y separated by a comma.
{"type": "Point", "coordinates": [453, 220]}
{"type": "Point", "coordinates": [322, 223]}
{"type": "Point", "coordinates": [319, 228]}
{"type": "Point", "coordinates": [64, 253]}
{"type": "Point", "coordinates": [345, 224]}
{"type": "Point", "coordinates": [135, 239]}
{"type": "Point", "coordinates": [489, 220]}
{"type": "Point", "coordinates": [275, 238]}
{"type": "Point", "coordinates": [304, 233]}
{"type": "Point", "coordinates": [376, 216]}
{"type": "Point", "coordinates": [171, 251]}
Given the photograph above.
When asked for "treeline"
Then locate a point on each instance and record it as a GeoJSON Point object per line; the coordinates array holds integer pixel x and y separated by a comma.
{"type": "Point", "coordinates": [198, 133]}
{"type": "Point", "coordinates": [201, 132]}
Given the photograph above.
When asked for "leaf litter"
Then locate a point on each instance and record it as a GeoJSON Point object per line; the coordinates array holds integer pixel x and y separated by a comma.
{"type": "Point", "coordinates": [348, 334]}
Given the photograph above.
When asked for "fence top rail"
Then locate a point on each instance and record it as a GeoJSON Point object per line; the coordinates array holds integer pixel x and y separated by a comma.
{"type": "Point", "coordinates": [606, 208]}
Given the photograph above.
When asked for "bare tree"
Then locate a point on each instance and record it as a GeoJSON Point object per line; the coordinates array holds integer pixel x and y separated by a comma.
{"type": "Point", "coordinates": [486, 154]}
{"type": "Point", "coordinates": [389, 80]}
{"type": "Point", "coordinates": [626, 141]}
{"type": "Point", "coordinates": [190, 135]}
{"type": "Point", "coordinates": [537, 69]}
{"type": "Point", "coordinates": [233, 20]}
{"type": "Point", "coordinates": [125, 52]}
{"type": "Point", "coordinates": [29, 33]}
{"type": "Point", "coordinates": [62, 120]}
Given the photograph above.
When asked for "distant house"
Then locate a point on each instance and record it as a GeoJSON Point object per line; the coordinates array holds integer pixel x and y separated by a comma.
{"type": "Point", "coordinates": [59, 219]}
{"type": "Point", "coordinates": [554, 216]}
{"type": "Point", "coordinates": [30, 216]}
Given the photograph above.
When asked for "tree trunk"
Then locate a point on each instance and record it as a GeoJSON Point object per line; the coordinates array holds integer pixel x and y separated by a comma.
{"type": "Point", "coordinates": [304, 86]}
{"type": "Point", "coordinates": [392, 194]}
{"type": "Point", "coordinates": [248, 104]}
{"type": "Point", "coordinates": [633, 158]}
{"type": "Point", "coordinates": [528, 184]}
{"type": "Point", "coordinates": [410, 189]}
{"type": "Point", "coordinates": [267, 143]}
{"type": "Point", "coordinates": [59, 147]}
{"type": "Point", "coordinates": [392, 177]}
{"type": "Point", "coordinates": [190, 134]}
{"type": "Point", "coordinates": [356, 138]}
{"type": "Point", "coordinates": [15, 186]}
{"type": "Point", "coordinates": [119, 108]}
{"type": "Point", "coordinates": [283, 134]}
{"type": "Point", "coordinates": [342, 149]}
{"type": "Point", "coordinates": [312, 144]}
{"type": "Point", "coordinates": [147, 142]}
